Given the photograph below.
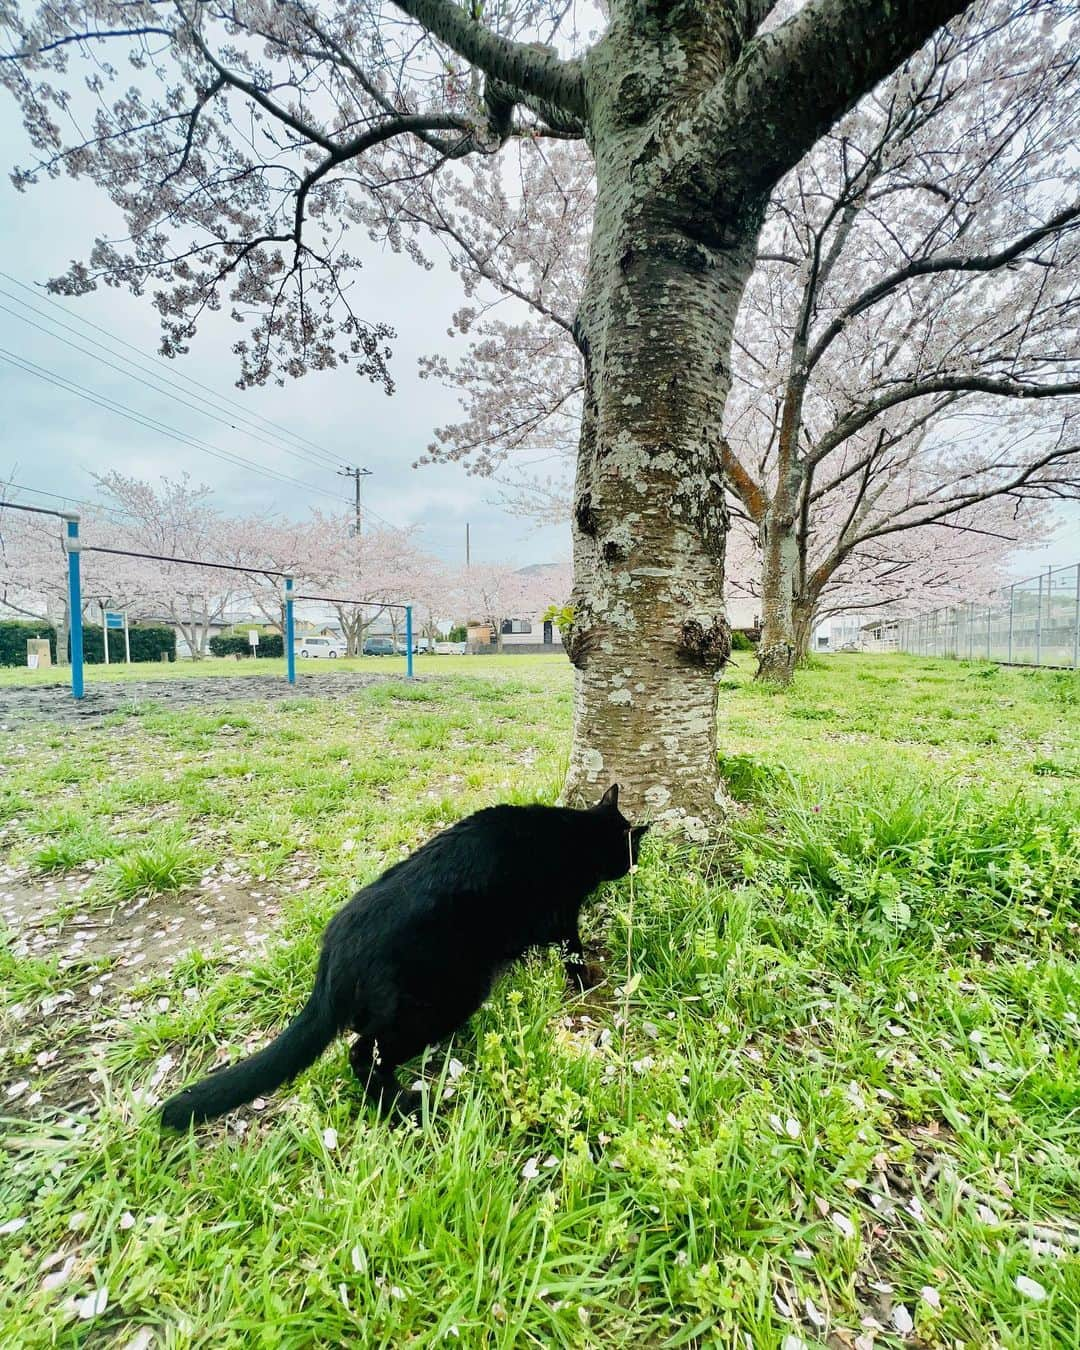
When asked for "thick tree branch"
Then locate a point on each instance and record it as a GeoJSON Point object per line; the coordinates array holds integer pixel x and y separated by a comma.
{"type": "Point", "coordinates": [532, 70]}
{"type": "Point", "coordinates": [936, 512]}
{"type": "Point", "coordinates": [745, 488]}
{"type": "Point", "coordinates": [791, 84]}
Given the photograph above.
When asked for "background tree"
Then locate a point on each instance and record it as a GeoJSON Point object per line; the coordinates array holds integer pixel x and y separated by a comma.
{"type": "Point", "coordinates": [492, 592]}
{"type": "Point", "coordinates": [360, 573]}
{"type": "Point", "coordinates": [909, 344]}
{"type": "Point", "coordinates": [33, 572]}
{"type": "Point", "coordinates": [435, 593]}
{"type": "Point", "coordinates": [692, 113]}
{"type": "Point", "coordinates": [935, 565]}
{"type": "Point", "coordinates": [173, 520]}
{"type": "Point", "coordinates": [279, 545]}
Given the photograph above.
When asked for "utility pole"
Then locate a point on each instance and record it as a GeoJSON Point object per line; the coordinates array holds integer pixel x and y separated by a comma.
{"type": "Point", "coordinates": [355, 473]}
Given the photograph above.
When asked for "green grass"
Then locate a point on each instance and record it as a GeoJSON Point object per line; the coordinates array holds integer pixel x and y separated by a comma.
{"type": "Point", "coordinates": [226, 668]}
{"type": "Point", "coordinates": [850, 1072]}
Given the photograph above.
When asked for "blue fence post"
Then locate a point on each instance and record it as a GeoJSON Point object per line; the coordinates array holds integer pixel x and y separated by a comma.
{"type": "Point", "coordinates": [290, 653]}
{"type": "Point", "coordinates": [71, 547]}
{"type": "Point", "coordinates": [408, 642]}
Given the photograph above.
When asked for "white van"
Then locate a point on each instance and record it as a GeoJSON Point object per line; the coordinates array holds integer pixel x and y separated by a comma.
{"type": "Point", "coordinates": [328, 647]}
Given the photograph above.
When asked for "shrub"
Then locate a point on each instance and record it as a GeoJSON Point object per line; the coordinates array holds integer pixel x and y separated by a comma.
{"type": "Point", "coordinates": [13, 636]}
{"type": "Point", "coordinates": [147, 642]}
{"type": "Point", "coordinates": [237, 644]}
{"type": "Point", "coordinates": [740, 642]}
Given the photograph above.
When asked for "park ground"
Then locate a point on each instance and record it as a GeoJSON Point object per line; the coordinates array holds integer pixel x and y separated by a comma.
{"type": "Point", "coordinates": [829, 1094]}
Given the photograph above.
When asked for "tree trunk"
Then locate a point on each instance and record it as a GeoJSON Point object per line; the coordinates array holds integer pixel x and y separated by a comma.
{"type": "Point", "coordinates": [61, 625]}
{"type": "Point", "coordinates": [777, 650]}
{"type": "Point", "coordinates": [803, 630]}
{"type": "Point", "coordinates": [649, 634]}
{"type": "Point", "coordinates": [187, 627]}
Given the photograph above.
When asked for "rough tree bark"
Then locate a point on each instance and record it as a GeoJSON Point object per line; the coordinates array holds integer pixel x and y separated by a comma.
{"type": "Point", "coordinates": [803, 628]}
{"type": "Point", "coordinates": [776, 654]}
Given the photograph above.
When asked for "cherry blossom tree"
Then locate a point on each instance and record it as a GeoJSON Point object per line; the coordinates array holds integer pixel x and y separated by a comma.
{"type": "Point", "coordinates": [940, 564]}
{"type": "Point", "coordinates": [435, 593]}
{"type": "Point", "coordinates": [493, 592]}
{"type": "Point", "coordinates": [33, 572]}
{"type": "Point", "coordinates": [909, 339]}
{"type": "Point", "coordinates": [362, 575]}
{"type": "Point", "coordinates": [281, 546]}
{"type": "Point", "coordinates": [172, 520]}
{"type": "Point", "coordinates": [246, 140]}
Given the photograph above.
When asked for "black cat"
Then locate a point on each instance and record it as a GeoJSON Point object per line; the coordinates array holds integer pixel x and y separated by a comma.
{"type": "Point", "coordinates": [412, 956]}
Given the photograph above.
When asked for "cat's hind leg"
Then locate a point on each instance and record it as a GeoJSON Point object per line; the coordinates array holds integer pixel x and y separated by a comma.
{"type": "Point", "coordinates": [376, 1075]}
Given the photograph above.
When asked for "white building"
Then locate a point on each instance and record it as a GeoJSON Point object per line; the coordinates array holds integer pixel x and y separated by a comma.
{"type": "Point", "coordinates": [744, 613]}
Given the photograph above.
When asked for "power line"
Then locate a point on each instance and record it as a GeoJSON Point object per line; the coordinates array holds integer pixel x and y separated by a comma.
{"type": "Point", "coordinates": [338, 600]}
{"type": "Point", "coordinates": [191, 562]}
{"type": "Point", "coordinates": [159, 384]}
{"type": "Point", "coordinates": [247, 413]}
{"type": "Point", "coordinates": [141, 419]}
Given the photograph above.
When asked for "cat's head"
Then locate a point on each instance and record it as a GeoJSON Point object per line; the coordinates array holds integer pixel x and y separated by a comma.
{"type": "Point", "coordinates": [620, 840]}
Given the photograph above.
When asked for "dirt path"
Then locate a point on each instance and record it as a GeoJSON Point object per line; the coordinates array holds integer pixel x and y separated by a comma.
{"type": "Point", "coordinates": [54, 703]}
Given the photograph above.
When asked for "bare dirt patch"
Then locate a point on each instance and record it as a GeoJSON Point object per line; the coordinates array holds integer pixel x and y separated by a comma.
{"type": "Point", "coordinates": [48, 1040]}
{"type": "Point", "coordinates": [54, 703]}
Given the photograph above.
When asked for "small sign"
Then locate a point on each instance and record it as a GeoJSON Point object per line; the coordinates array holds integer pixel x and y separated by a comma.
{"type": "Point", "coordinates": [113, 619]}
{"type": "Point", "coordinates": [253, 637]}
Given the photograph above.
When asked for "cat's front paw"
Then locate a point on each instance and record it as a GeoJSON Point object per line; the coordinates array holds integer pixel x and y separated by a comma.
{"type": "Point", "coordinates": [585, 975]}
{"type": "Point", "coordinates": [408, 1106]}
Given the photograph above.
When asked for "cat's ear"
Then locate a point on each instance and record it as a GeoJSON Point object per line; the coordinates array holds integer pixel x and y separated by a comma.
{"type": "Point", "coordinates": [610, 800]}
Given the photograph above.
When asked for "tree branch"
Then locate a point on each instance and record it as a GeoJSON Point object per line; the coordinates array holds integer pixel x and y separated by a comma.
{"type": "Point", "coordinates": [748, 492]}
{"type": "Point", "coordinates": [940, 384]}
{"type": "Point", "coordinates": [532, 70]}
{"type": "Point", "coordinates": [986, 262]}
{"type": "Point", "coordinates": [937, 512]}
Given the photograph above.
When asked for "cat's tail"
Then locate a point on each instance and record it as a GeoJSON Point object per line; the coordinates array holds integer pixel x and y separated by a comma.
{"type": "Point", "coordinates": [300, 1044]}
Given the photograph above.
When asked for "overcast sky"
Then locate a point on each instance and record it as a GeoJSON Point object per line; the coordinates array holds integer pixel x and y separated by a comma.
{"type": "Point", "coordinates": [53, 440]}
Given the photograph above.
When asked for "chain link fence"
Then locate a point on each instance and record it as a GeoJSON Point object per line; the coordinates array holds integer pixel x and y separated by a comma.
{"type": "Point", "coordinates": [1031, 623]}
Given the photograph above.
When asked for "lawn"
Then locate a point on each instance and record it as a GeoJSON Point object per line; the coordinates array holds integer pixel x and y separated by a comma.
{"type": "Point", "coordinates": [224, 666]}
{"type": "Point", "coordinates": [836, 1103]}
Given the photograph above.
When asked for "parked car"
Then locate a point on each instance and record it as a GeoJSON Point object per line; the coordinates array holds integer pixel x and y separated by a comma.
{"type": "Point", "coordinates": [450, 649]}
{"type": "Point", "coordinates": [378, 646]}
{"type": "Point", "coordinates": [326, 647]}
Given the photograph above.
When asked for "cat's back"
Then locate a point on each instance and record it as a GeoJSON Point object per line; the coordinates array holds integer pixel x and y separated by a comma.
{"type": "Point", "coordinates": [481, 851]}
{"type": "Point", "coordinates": [473, 862]}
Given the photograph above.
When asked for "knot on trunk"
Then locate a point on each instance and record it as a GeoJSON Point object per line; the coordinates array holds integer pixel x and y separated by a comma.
{"type": "Point", "coordinates": [579, 642]}
{"type": "Point", "coordinates": [585, 515]}
{"type": "Point", "coordinates": [637, 97]}
{"type": "Point", "coordinates": [709, 647]}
